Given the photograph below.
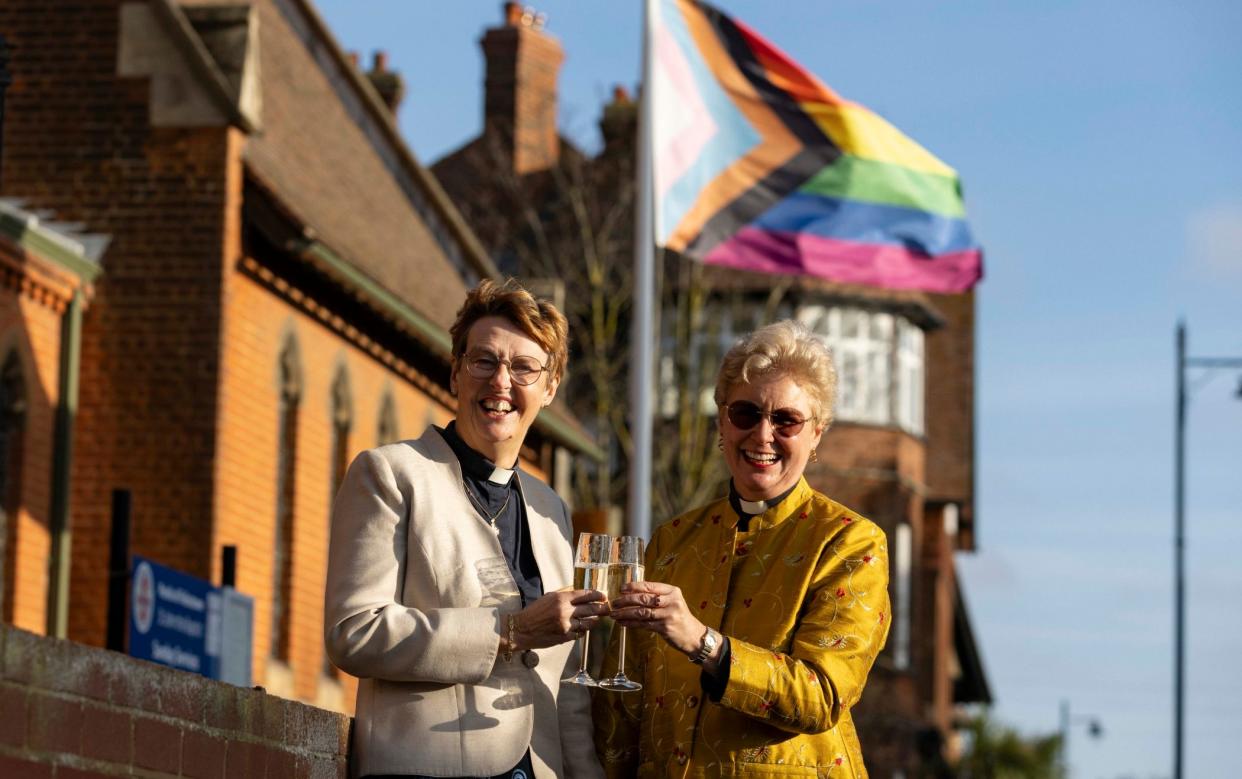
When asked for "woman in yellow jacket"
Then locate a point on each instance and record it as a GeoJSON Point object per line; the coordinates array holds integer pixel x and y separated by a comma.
{"type": "Point", "coordinates": [763, 611]}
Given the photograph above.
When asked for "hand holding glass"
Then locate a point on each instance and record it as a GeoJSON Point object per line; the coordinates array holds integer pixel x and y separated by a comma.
{"type": "Point", "coordinates": [627, 566]}
{"type": "Point", "coordinates": [591, 569]}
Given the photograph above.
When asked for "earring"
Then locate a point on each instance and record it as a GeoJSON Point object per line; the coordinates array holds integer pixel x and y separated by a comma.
{"type": "Point", "coordinates": [720, 444]}
{"type": "Point", "coordinates": [814, 455]}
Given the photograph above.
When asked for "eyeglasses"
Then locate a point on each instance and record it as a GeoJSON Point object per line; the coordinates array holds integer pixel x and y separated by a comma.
{"type": "Point", "coordinates": [524, 371]}
{"type": "Point", "coordinates": [744, 415]}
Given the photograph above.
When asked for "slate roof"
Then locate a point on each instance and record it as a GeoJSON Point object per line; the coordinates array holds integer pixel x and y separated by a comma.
{"type": "Point", "coordinates": [328, 149]}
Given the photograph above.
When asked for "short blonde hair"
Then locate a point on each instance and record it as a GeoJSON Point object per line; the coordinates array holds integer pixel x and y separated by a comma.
{"type": "Point", "coordinates": [782, 348]}
{"type": "Point", "coordinates": [538, 319]}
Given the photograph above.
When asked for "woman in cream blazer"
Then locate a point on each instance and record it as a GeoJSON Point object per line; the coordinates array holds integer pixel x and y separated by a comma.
{"type": "Point", "coordinates": [449, 573]}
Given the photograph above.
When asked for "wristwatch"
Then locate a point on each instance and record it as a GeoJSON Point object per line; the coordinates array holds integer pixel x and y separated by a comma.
{"type": "Point", "coordinates": [707, 646]}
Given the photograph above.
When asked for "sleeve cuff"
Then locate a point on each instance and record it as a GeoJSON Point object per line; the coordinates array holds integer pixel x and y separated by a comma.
{"type": "Point", "coordinates": [714, 684]}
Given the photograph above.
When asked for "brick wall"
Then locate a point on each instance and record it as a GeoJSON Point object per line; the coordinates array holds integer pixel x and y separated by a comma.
{"type": "Point", "coordinates": [79, 141]}
{"type": "Point", "coordinates": [179, 384]}
{"type": "Point", "coordinates": [31, 330]}
{"type": "Point", "coordinates": [258, 323]}
{"type": "Point", "coordinates": [68, 710]}
{"type": "Point", "coordinates": [950, 385]}
{"type": "Point", "coordinates": [875, 471]}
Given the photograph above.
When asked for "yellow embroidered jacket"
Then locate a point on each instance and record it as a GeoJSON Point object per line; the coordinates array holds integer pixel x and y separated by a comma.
{"type": "Point", "coordinates": [803, 598]}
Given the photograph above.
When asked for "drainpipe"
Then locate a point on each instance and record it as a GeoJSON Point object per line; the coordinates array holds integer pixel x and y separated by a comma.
{"type": "Point", "coordinates": [62, 457]}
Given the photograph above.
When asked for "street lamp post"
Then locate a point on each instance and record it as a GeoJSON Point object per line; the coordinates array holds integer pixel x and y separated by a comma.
{"type": "Point", "coordinates": [1179, 535]}
{"type": "Point", "coordinates": [1094, 730]}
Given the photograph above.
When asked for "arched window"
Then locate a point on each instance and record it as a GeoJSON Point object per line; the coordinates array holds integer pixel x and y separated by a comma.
{"type": "Point", "coordinates": [290, 397]}
{"type": "Point", "coordinates": [12, 425]}
{"type": "Point", "coordinates": [387, 432]}
{"type": "Point", "coordinates": [342, 421]}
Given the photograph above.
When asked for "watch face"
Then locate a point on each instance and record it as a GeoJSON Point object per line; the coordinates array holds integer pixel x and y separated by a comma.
{"type": "Point", "coordinates": [710, 639]}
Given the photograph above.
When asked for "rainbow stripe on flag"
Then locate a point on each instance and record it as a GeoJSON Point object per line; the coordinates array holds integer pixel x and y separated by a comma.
{"type": "Point", "coordinates": [758, 165]}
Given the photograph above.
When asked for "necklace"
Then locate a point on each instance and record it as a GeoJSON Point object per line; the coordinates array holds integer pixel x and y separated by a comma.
{"type": "Point", "coordinates": [478, 505]}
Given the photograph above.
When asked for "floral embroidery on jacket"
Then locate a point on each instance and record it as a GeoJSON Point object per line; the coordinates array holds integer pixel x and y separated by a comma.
{"type": "Point", "coordinates": [803, 600]}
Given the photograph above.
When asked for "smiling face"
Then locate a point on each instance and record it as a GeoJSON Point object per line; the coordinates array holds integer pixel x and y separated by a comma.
{"type": "Point", "coordinates": [763, 461]}
{"type": "Point", "coordinates": [493, 414]}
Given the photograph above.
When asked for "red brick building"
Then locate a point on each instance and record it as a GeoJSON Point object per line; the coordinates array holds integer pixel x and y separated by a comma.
{"type": "Point", "coordinates": [902, 448]}
{"type": "Point", "coordinates": [47, 272]}
{"type": "Point", "coordinates": [280, 279]}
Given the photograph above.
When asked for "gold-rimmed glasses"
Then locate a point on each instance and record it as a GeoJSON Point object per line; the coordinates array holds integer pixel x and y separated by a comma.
{"type": "Point", "coordinates": [523, 370]}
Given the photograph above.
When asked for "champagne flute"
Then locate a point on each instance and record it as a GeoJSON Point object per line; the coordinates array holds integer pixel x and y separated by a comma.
{"type": "Point", "coordinates": [591, 559]}
{"type": "Point", "coordinates": [627, 566]}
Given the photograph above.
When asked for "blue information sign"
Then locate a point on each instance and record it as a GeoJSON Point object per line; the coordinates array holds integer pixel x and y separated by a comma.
{"type": "Point", "coordinates": [184, 622]}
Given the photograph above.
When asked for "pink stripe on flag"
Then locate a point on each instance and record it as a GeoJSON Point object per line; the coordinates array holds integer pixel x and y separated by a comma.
{"type": "Point", "coordinates": [847, 262]}
{"type": "Point", "coordinates": [686, 125]}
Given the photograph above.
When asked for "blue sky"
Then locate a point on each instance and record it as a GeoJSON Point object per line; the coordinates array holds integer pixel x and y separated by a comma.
{"type": "Point", "coordinates": [1100, 146]}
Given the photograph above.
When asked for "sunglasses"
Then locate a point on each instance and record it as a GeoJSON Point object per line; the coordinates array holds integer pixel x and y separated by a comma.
{"type": "Point", "coordinates": [744, 415]}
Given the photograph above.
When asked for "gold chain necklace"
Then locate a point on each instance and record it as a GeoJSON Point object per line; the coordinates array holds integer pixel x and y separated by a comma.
{"type": "Point", "coordinates": [491, 518]}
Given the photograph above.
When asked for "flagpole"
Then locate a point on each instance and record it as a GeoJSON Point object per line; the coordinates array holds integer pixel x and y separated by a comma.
{"type": "Point", "coordinates": [643, 330]}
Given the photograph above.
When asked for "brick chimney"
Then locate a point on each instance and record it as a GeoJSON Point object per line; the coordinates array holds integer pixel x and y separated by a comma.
{"type": "Point", "coordinates": [387, 82]}
{"type": "Point", "coordinates": [519, 101]}
{"type": "Point", "coordinates": [619, 123]}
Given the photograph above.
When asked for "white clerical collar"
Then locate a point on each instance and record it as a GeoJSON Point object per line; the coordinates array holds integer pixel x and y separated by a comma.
{"type": "Point", "coordinates": [500, 475]}
{"type": "Point", "coordinates": [752, 506]}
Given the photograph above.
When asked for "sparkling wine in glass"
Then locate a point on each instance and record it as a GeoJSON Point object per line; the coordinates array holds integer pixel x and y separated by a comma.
{"type": "Point", "coordinates": [627, 567]}
{"type": "Point", "coordinates": [591, 566]}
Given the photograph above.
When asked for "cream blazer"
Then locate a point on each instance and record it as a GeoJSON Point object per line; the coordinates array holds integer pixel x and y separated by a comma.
{"type": "Point", "coordinates": [417, 584]}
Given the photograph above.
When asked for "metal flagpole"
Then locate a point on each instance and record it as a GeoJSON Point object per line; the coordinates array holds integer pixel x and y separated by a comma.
{"type": "Point", "coordinates": [643, 332]}
{"type": "Point", "coordinates": [1179, 547]}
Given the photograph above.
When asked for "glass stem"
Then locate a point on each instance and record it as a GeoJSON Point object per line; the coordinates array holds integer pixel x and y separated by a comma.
{"type": "Point", "coordinates": [621, 658]}
{"type": "Point", "coordinates": [584, 644]}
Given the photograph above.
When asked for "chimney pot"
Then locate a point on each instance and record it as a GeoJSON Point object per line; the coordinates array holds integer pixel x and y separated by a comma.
{"type": "Point", "coordinates": [513, 14]}
{"type": "Point", "coordinates": [387, 83]}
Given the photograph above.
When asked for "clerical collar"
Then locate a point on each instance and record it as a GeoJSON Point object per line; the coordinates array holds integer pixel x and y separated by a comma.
{"type": "Point", "coordinates": [749, 508]}
{"type": "Point", "coordinates": [473, 464]}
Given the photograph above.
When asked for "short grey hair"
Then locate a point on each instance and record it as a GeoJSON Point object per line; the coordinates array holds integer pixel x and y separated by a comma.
{"type": "Point", "coordinates": [782, 348]}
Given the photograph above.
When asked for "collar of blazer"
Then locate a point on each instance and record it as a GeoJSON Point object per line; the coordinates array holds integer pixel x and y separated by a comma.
{"type": "Point", "coordinates": [545, 513]}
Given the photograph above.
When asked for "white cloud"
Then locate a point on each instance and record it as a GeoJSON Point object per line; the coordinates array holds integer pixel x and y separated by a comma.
{"type": "Point", "coordinates": [1214, 240]}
